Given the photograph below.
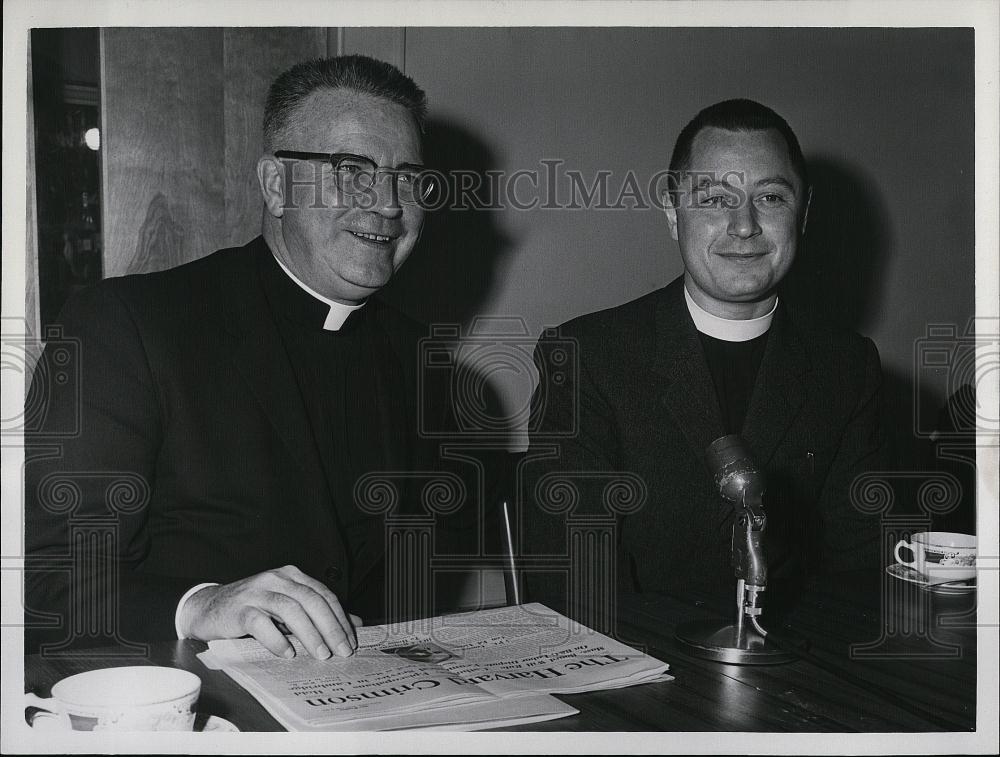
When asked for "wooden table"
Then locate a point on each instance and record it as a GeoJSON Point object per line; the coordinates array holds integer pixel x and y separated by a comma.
{"type": "Point", "coordinates": [912, 668]}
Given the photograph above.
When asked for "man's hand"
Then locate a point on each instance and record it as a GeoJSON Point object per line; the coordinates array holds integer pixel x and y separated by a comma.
{"type": "Point", "coordinates": [306, 607]}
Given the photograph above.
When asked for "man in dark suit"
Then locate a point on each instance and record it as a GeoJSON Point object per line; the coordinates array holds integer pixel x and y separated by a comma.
{"type": "Point", "coordinates": [228, 408]}
{"type": "Point", "coordinates": [622, 437]}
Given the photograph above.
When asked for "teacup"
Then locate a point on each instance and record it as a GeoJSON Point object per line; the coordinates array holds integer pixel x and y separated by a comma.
{"type": "Point", "coordinates": [136, 698]}
{"type": "Point", "coordinates": [940, 556]}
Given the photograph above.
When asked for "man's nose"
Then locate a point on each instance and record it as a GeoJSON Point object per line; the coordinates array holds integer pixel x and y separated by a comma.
{"type": "Point", "coordinates": [386, 201]}
{"type": "Point", "coordinates": [743, 221]}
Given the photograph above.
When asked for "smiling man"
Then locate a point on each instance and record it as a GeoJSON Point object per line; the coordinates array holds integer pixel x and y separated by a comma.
{"type": "Point", "coordinates": [738, 225]}
{"type": "Point", "coordinates": [239, 398]}
{"type": "Point", "coordinates": [713, 353]}
{"type": "Point", "coordinates": [361, 211]}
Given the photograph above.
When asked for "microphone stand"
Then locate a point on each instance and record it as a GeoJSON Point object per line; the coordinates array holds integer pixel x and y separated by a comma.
{"type": "Point", "coordinates": [745, 641]}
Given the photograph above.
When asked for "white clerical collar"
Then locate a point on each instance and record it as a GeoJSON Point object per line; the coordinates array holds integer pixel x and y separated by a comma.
{"type": "Point", "coordinates": [338, 310]}
{"type": "Point", "coordinates": [726, 329]}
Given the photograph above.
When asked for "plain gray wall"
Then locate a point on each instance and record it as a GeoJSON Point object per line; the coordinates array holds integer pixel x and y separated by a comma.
{"type": "Point", "coordinates": [884, 116]}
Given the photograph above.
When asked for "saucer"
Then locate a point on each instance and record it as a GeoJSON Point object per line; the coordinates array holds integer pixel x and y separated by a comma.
{"type": "Point", "coordinates": [214, 724]}
{"type": "Point", "coordinates": [202, 724]}
{"type": "Point", "coordinates": [912, 576]}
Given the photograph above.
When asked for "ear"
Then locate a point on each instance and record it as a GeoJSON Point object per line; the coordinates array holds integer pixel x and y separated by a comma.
{"type": "Point", "coordinates": [805, 213]}
{"type": "Point", "coordinates": [271, 177]}
{"type": "Point", "coordinates": [671, 211]}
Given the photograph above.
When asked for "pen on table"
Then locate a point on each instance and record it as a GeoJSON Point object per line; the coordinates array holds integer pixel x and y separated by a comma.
{"type": "Point", "coordinates": [511, 564]}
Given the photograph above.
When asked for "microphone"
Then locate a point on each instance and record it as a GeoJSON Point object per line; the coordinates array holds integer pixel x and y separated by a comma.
{"type": "Point", "coordinates": [741, 483]}
{"type": "Point", "coordinates": [736, 474]}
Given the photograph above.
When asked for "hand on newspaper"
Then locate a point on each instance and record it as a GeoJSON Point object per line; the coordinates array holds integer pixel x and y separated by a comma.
{"type": "Point", "coordinates": [305, 606]}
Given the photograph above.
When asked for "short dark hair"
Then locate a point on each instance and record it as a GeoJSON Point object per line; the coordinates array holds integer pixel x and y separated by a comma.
{"type": "Point", "coordinates": [736, 115]}
{"type": "Point", "coordinates": [357, 73]}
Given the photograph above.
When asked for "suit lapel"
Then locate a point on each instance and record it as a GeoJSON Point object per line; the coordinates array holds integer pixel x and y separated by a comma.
{"type": "Point", "coordinates": [259, 354]}
{"type": "Point", "coordinates": [686, 388]}
{"type": "Point", "coordinates": [779, 390]}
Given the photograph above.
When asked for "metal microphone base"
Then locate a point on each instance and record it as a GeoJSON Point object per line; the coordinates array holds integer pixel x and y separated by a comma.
{"type": "Point", "coordinates": [728, 642]}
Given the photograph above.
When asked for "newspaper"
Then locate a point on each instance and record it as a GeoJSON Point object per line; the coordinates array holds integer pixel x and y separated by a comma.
{"type": "Point", "coordinates": [474, 670]}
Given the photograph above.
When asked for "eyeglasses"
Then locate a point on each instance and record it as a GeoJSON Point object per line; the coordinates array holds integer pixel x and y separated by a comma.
{"type": "Point", "coordinates": [356, 175]}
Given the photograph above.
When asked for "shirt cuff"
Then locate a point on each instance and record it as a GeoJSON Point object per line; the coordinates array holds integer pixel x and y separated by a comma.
{"type": "Point", "coordinates": [180, 606]}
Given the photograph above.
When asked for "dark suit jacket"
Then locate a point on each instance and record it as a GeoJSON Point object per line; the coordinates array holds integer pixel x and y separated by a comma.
{"type": "Point", "coordinates": [639, 406]}
{"type": "Point", "coordinates": [182, 430]}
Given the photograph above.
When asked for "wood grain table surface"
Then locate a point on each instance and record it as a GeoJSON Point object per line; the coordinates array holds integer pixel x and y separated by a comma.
{"type": "Point", "coordinates": [882, 656]}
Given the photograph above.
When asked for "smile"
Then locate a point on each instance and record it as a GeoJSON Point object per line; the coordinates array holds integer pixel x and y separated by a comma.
{"type": "Point", "coordinates": [378, 238]}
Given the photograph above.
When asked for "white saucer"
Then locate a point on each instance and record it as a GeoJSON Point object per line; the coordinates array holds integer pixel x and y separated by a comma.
{"type": "Point", "coordinates": [912, 576]}
{"type": "Point", "coordinates": [213, 724]}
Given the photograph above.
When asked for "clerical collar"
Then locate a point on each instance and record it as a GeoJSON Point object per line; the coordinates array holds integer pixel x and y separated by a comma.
{"type": "Point", "coordinates": [339, 312]}
{"type": "Point", "coordinates": [726, 329]}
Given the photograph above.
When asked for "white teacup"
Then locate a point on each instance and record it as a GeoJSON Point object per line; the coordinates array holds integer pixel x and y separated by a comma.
{"type": "Point", "coordinates": [941, 556]}
{"type": "Point", "coordinates": [136, 698]}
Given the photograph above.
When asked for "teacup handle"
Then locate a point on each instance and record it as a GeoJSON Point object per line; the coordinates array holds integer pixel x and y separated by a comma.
{"type": "Point", "coordinates": [907, 545]}
{"type": "Point", "coordinates": [48, 707]}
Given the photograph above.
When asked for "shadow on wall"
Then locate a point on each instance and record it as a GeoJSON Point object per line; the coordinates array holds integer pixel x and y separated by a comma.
{"type": "Point", "coordinates": [838, 274]}
{"type": "Point", "coordinates": [447, 281]}
{"type": "Point", "coordinates": [952, 450]}
{"type": "Point", "coordinates": [453, 270]}
{"type": "Point", "coordinates": [839, 270]}
{"type": "Point", "coordinates": [838, 278]}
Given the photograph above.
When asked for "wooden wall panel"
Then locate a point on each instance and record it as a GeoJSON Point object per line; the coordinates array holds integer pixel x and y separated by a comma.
{"type": "Point", "coordinates": [31, 312]}
{"type": "Point", "coordinates": [252, 58]}
{"type": "Point", "coordinates": [182, 112]}
{"type": "Point", "coordinates": [163, 104]}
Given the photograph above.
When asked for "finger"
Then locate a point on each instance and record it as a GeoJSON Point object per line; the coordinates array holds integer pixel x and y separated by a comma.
{"type": "Point", "coordinates": [281, 626]}
{"type": "Point", "coordinates": [334, 605]}
{"type": "Point", "coordinates": [331, 619]}
{"type": "Point", "coordinates": [320, 603]}
{"type": "Point", "coordinates": [290, 611]}
{"type": "Point", "coordinates": [258, 624]}
{"type": "Point", "coordinates": [356, 621]}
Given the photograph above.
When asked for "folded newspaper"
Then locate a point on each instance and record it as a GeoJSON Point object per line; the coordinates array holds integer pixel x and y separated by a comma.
{"type": "Point", "coordinates": [468, 671]}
